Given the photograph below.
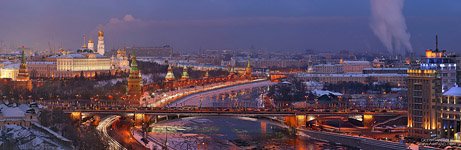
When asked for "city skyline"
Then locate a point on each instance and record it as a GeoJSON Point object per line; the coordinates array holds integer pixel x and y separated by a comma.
{"type": "Point", "coordinates": [206, 24]}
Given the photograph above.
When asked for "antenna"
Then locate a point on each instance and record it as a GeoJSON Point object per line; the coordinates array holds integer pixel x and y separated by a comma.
{"type": "Point", "coordinates": [436, 42]}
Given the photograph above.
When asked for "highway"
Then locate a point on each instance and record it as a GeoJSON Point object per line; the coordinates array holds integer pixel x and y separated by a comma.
{"type": "Point", "coordinates": [195, 99]}
{"type": "Point", "coordinates": [165, 99]}
{"type": "Point", "coordinates": [102, 128]}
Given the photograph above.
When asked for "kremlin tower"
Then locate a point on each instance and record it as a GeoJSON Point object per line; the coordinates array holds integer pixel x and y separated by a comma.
{"type": "Point", "coordinates": [23, 80]}
{"type": "Point", "coordinates": [185, 75]}
{"type": "Point", "coordinates": [169, 75]}
{"type": "Point", "coordinates": [206, 75]}
{"type": "Point", "coordinates": [134, 89]}
{"type": "Point", "coordinates": [248, 70]}
{"type": "Point", "coordinates": [100, 42]}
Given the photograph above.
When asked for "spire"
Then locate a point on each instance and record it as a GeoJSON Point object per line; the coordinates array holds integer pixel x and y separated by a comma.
{"type": "Point", "coordinates": [169, 75]}
{"type": "Point", "coordinates": [185, 75]}
{"type": "Point", "coordinates": [248, 63]}
{"type": "Point", "coordinates": [206, 74]}
{"type": "Point", "coordinates": [84, 42]}
{"type": "Point", "coordinates": [23, 56]}
{"type": "Point", "coordinates": [134, 64]}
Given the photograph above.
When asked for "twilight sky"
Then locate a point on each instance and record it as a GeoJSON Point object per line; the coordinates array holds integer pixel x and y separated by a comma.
{"type": "Point", "coordinates": [229, 24]}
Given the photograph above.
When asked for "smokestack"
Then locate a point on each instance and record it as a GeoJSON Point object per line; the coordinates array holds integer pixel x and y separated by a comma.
{"type": "Point", "coordinates": [388, 24]}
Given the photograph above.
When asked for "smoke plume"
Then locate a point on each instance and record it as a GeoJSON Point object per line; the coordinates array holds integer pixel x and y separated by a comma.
{"type": "Point", "coordinates": [388, 24]}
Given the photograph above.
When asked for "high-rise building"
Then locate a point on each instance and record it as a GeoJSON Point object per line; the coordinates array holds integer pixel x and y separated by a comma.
{"type": "Point", "coordinates": [134, 89]}
{"type": "Point", "coordinates": [101, 42]}
{"type": "Point", "coordinates": [424, 93]}
{"type": "Point", "coordinates": [444, 64]}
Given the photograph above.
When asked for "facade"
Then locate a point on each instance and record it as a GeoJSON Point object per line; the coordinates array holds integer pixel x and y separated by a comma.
{"type": "Point", "coordinates": [82, 64]}
{"type": "Point", "coordinates": [396, 79]}
{"type": "Point", "coordinates": [451, 114]}
{"type": "Point", "coordinates": [42, 69]}
{"type": "Point", "coordinates": [385, 71]}
{"type": "Point", "coordinates": [424, 94]}
{"type": "Point", "coordinates": [134, 88]}
{"type": "Point", "coordinates": [328, 68]}
{"type": "Point", "coordinates": [354, 66]}
{"type": "Point", "coordinates": [9, 70]}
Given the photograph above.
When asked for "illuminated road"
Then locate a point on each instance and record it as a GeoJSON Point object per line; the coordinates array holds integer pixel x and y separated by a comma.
{"type": "Point", "coordinates": [167, 98]}
{"type": "Point", "coordinates": [102, 128]}
{"type": "Point", "coordinates": [196, 99]}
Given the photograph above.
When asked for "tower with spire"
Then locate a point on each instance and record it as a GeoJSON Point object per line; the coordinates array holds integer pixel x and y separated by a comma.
{"type": "Point", "coordinates": [23, 78]}
{"type": "Point", "coordinates": [169, 75]}
{"type": "Point", "coordinates": [185, 75]}
{"type": "Point", "coordinates": [248, 70]}
{"type": "Point", "coordinates": [101, 42]}
{"type": "Point", "coordinates": [134, 88]}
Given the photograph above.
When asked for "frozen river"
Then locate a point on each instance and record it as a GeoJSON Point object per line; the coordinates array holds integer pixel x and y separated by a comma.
{"type": "Point", "coordinates": [231, 133]}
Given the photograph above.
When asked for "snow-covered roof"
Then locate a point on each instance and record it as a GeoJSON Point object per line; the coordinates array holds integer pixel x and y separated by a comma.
{"type": "Point", "coordinates": [12, 66]}
{"type": "Point", "coordinates": [313, 83]}
{"type": "Point", "coordinates": [454, 91]}
{"type": "Point", "coordinates": [351, 75]}
{"type": "Point", "coordinates": [357, 62]}
{"type": "Point", "coordinates": [325, 92]}
{"type": "Point", "coordinates": [385, 69]}
{"type": "Point", "coordinates": [78, 55]}
{"type": "Point", "coordinates": [12, 112]}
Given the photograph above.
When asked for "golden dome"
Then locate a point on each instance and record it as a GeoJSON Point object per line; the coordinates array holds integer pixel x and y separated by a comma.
{"type": "Point", "coordinates": [100, 33]}
{"type": "Point", "coordinates": [90, 41]}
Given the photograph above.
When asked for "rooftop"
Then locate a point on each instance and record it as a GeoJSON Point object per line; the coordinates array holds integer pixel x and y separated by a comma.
{"type": "Point", "coordinates": [454, 91]}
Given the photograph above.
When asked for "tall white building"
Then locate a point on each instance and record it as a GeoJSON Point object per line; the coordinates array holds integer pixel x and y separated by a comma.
{"type": "Point", "coordinates": [91, 44]}
{"type": "Point", "coordinates": [101, 42]}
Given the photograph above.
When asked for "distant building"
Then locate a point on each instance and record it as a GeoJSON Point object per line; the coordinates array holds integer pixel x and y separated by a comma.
{"type": "Point", "coordinates": [162, 51]}
{"type": "Point", "coordinates": [385, 71]}
{"type": "Point", "coordinates": [354, 66]}
{"type": "Point", "coordinates": [395, 79]}
{"type": "Point", "coordinates": [424, 95]}
{"type": "Point", "coordinates": [328, 68]}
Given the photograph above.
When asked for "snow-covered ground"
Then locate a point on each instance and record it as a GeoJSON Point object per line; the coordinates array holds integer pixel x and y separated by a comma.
{"type": "Point", "coordinates": [13, 136]}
